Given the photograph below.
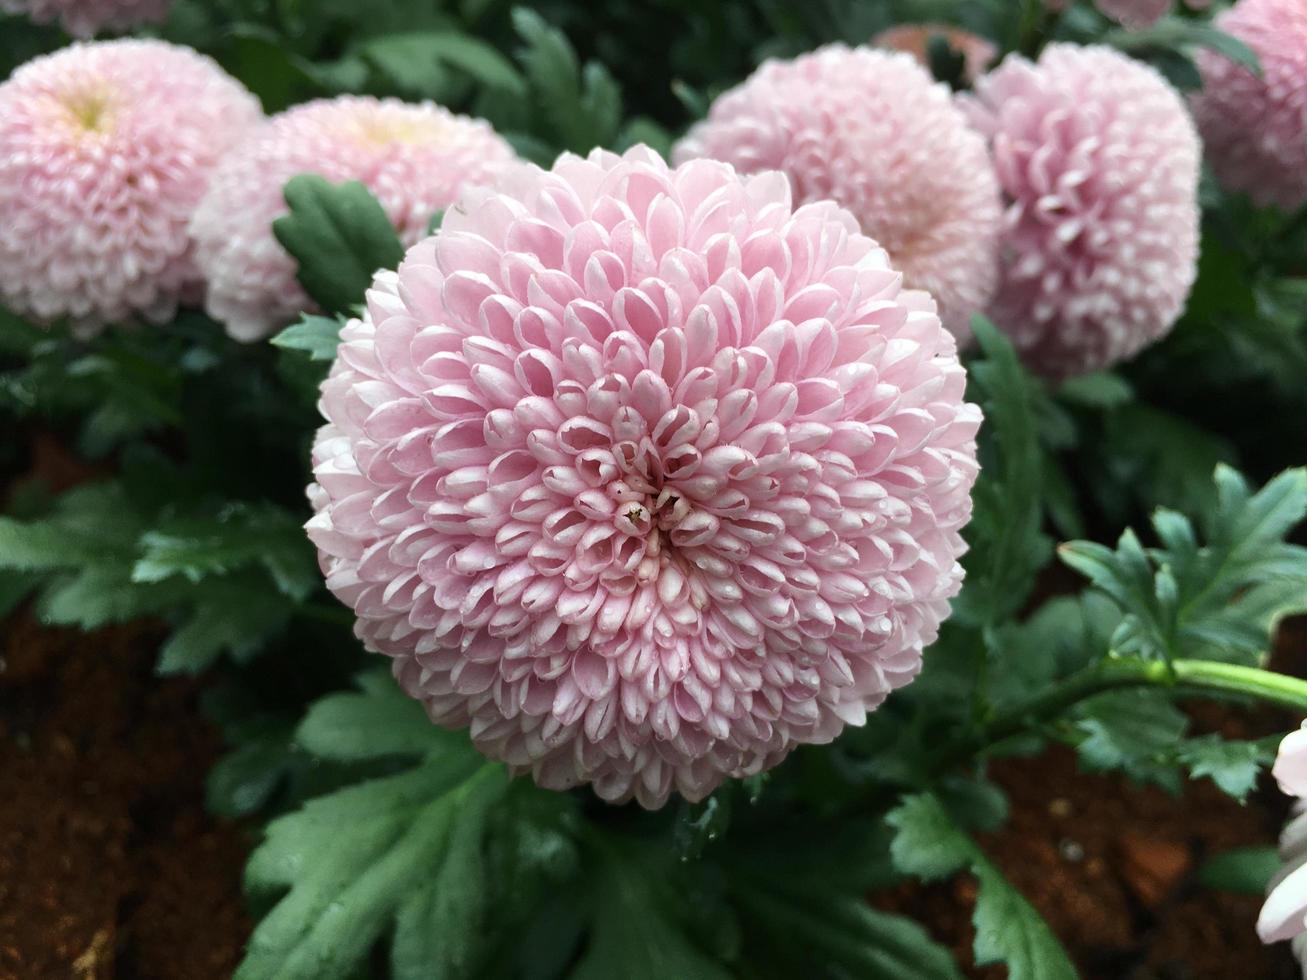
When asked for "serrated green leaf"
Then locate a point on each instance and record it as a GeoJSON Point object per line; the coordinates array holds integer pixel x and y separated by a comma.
{"type": "Point", "coordinates": [41, 546]}
{"type": "Point", "coordinates": [353, 860]}
{"type": "Point", "coordinates": [582, 108]}
{"type": "Point", "coordinates": [635, 933]}
{"type": "Point", "coordinates": [927, 845]}
{"type": "Point", "coordinates": [1232, 765]}
{"type": "Point", "coordinates": [340, 236]}
{"type": "Point", "coordinates": [237, 616]}
{"type": "Point", "coordinates": [243, 780]}
{"type": "Point", "coordinates": [317, 336]}
{"type": "Point", "coordinates": [1010, 931]}
{"type": "Point", "coordinates": [379, 721]}
{"type": "Point", "coordinates": [1138, 731]}
{"type": "Point", "coordinates": [1097, 390]}
{"type": "Point", "coordinates": [834, 936]}
{"type": "Point", "coordinates": [1174, 34]}
{"type": "Point", "coordinates": [409, 59]}
{"type": "Point", "coordinates": [1007, 545]}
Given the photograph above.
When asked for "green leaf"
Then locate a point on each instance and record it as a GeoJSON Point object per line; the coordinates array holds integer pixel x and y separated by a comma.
{"type": "Point", "coordinates": [408, 59]}
{"type": "Point", "coordinates": [839, 936]}
{"type": "Point", "coordinates": [243, 780]}
{"type": "Point", "coordinates": [580, 110]}
{"type": "Point", "coordinates": [235, 616]}
{"type": "Point", "coordinates": [1232, 765]}
{"type": "Point", "coordinates": [1007, 545]}
{"type": "Point", "coordinates": [340, 236]}
{"type": "Point", "coordinates": [238, 535]}
{"type": "Point", "coordinates": [361, 859]}
{"type": "Point", "coordinates": [1097, 390]}
{"type": "Point", "coordinates": [317, 336]}
{"type": "Point", "coordinates": [635, 933]}
{"type": "Point", "coordinates": [1178, 35]}
{"type": "Point", "coordinates": [1137, 731]}
{"type": "Point", "coordinates": [44, 546]}
{"type": "Point", "coordinates": [1244, 870]}
{"type": "Point", "coordinates": [929, 845]}
{"type": "Point", "coordinates": [379, 721]}
{"type": "Point", "coordinates": [1009, 930]}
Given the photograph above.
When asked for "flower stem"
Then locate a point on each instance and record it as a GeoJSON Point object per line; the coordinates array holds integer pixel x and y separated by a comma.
{"type": "Point", "coordinates": [1186, 676]}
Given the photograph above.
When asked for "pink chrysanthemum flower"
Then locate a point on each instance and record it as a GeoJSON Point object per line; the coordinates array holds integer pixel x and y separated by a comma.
{"type": "Point", "coordinates": [1255, 129]}
{"type": "Point", "coordinates": [643, 475]}
{"type": "Point", "coordinates": [1099, 164]}
{"type": "Point", "coordinates": [86, 18]}
{"type": "Point", "coordinates": [105, 151]}
{"type": "Point", "coordinates": [978, 53]}
{"type": "Point", "coordinates": [875, 133]}
{"type": "Point", "coordinates": [1284, 916]}
{"type": "Point", "coordinates": [414, 158]}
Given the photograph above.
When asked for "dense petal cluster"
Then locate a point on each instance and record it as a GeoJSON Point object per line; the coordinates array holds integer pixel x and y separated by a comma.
{"type": "Point", "coordinates": [1255, 129]}
{"type": "Point", "coordinates": [643, 475]}
{"type": "Point", "coordinates": [414, 158]}
{"type": "Point", "coordinates": [1099, 163]}
{"type": "Point", "coordinates": [86, 18]}
{"type": "Point", "coordinates": [977, 52]}
{"type": "Point", "coordinates": [105, 151]}
{"type": "Point", "coordinates": [1284, 916]}
{"type": "Point", "coordinates": [872, 131]}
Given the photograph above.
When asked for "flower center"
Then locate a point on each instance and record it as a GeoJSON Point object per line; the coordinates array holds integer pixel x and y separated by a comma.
{"type": "Point", "coordinates": [89, 110]}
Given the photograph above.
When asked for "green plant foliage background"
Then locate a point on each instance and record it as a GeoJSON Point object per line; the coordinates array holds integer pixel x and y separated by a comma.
{"type": "Point", "coordinates": [391, 849]}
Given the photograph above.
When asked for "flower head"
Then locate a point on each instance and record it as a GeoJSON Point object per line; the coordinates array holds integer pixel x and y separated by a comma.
{"type": "Point", "coordinates": [105, 151]}
{"type": "Point", "coordinates": [875, 133]}
{"type": "Point", "coordinates": [1099, 164]}
{"type": "Point", "coordinates": [643, 475]}
{"type": "Point", "coordinates": [977, 52]}
{"type": "Point", "coordinates": [1284, 916]}
{"type": "Point", "coordinates": [1255, 129]}
{"type": "Point", "coordinates": [86, 18]}
{"type": "Point", "coordinates": [414, 158]}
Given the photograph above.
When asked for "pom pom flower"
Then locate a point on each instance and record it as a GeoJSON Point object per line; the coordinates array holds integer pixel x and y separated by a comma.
{"type": "Point", "coordinates": [105, 152]}
{"type": "Point", "coordinates": [977, 53]}
{"type": "Point", "coordinates": [643, 475]}
{"type": "Point", "coordinates": [872, 131]}
{"type": "Point", "coordinates": [1255, 129]}
{"type": "Point", "coordinates": [1284, 916]}
{"type": "Point", "coordinates": [86, 18]}
{"type": "Point", "coordinates": [414, 158]}
{"type": "Point", "coordinates": [1099, 164]}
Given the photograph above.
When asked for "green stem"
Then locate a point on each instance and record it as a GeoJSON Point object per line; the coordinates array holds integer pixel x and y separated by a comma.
{"type": "Point", "coordinates": [1201, 677]}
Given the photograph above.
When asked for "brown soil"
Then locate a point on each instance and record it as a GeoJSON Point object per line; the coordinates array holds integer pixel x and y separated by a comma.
{"type": "Point", "coordinates": [109, 866]}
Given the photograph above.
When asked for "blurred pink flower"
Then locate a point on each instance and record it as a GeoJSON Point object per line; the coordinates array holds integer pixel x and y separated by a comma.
{"type": "Point", "coordinates": [1255, 129]}
{"type": "Point", "coordinates": [1099, 163]}
{"type": "Point", "coordinates": [86, 18]}
{"type": "Point", "coordinates": [414, 158]}
{"type": "Point", "coordinates": [644, 476]}
{"type": "Point", "coordinates": [1284, 916]}
{"type": "Point", "coordinates": [977, 52]}
{"type": "Point", "coordinates": [105, 151]}
{"type": "Point", "coordinates": [874, 132]}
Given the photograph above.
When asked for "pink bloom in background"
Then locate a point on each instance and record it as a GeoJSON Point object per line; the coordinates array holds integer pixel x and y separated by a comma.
{"type": "Point", "coordinates": [875, 133]}
{"type": "Point", "coordinates": [977, 52]}
{"type": "Point", "coordinates": [643, 475]}
{"type": "Point", "coordinates": [105, 151]}
{"type": "Point", "coordinates": [1284, 916]}
{"type": "Point", "coordinates": [414, 158]}
{"type": "Point", "coordinates": [1133, 14]}
{"type": "Point", "coordinates": [1255, 129]}
{"type": "Point", "coordinates": [1099, 164]}
{"type": "Point", "coordinates": [86, 18]}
